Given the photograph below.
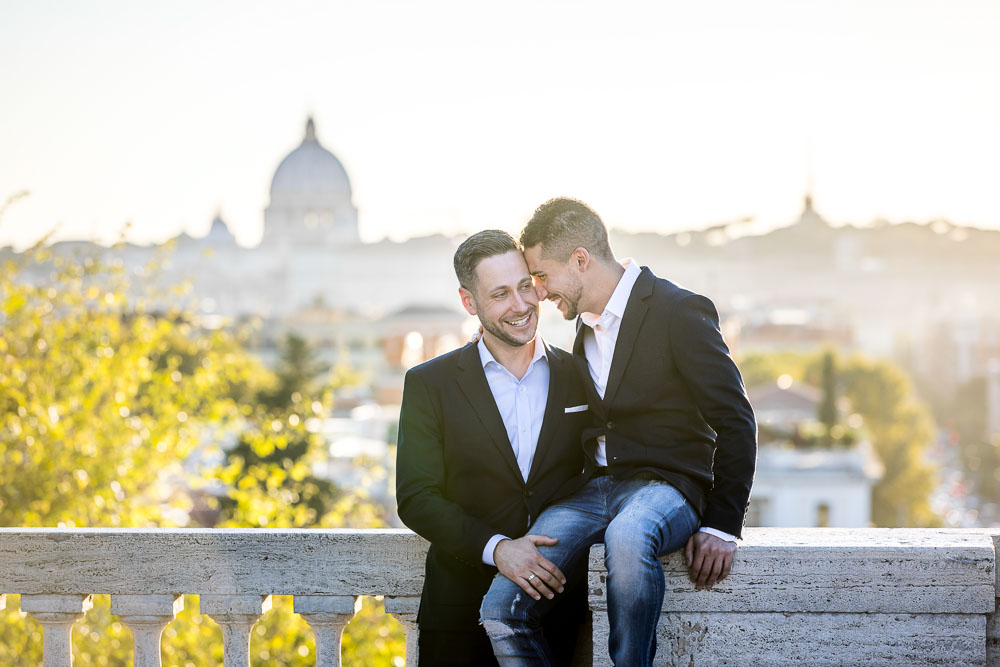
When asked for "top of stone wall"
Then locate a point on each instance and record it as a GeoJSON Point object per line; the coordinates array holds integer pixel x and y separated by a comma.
{"type": "Point", "coordinates": [869, 570]}
{"type": "Point", "coordinates": [862, 570]}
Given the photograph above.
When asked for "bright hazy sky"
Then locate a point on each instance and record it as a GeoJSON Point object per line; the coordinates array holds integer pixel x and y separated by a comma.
{"type": "Point", "coordinates": [452, 117]}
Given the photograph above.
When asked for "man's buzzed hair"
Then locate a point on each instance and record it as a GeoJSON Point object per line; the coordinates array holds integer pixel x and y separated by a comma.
{"type": "Point", "coordinates": [476, 248]}
{"type": "Point", "coordinates": [562, 225]}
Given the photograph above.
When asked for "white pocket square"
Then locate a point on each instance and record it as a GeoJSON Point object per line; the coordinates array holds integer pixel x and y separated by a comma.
{"type": "Point", "coordinates": [576, 408]}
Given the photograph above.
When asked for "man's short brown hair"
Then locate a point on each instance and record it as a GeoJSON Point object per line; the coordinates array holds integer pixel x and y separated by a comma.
{"type": "Point", "coordinates": [562, 225]}
{"type": "Point", "coordinates": [476, 248]}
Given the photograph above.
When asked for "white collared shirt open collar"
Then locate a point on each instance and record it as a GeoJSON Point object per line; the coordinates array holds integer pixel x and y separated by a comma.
{"type": "Point", "coordinates": [521, 402]}
{"type": "Point", "coordinates": [599, 342]}
{"type": "Point", "coordinates": [619, 298]}
{"type": "Point", "coordinates": [485, 356]}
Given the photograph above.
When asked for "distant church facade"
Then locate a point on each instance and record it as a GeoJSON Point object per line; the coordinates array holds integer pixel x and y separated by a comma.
{"type": "Point", "coordinates": [311, 254]}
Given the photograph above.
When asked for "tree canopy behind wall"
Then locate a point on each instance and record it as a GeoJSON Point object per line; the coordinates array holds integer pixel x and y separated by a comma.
{"type": "Point", "coordinates": [116, 414]}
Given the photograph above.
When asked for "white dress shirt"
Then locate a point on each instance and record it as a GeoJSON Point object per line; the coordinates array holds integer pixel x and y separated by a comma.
{"type": "Point", "coordinates": [599, 340]}
{"type": "Point", "coordinates": [522, 407]}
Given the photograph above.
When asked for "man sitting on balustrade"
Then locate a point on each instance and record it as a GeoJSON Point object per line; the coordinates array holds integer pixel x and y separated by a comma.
{"type": "Point", "coordinates": [670, 454]}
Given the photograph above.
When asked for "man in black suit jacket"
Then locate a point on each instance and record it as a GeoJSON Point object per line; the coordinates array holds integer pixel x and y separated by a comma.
{"type": "Point", "coordinates": [489, 434]}
{"type": "Point", "coordinates": [673, 441]}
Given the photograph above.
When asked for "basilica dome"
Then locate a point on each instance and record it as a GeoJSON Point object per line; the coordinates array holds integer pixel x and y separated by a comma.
{"type": "Point", "coordinates": [310, 169]}
{"type": "Point", "coordinates": [311, 201]}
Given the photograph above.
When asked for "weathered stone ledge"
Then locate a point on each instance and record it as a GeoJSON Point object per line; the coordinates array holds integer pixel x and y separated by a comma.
{"type": "Point", "coordinates": [829, 596]}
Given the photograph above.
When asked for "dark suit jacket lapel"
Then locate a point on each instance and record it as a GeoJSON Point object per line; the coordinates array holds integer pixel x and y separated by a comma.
{"type": "Point", "coordinates": [555, 404]}
{"type": "Point", "coordinates": [628, 331]}
{"type": "Point", "coordinates": [472, 381]}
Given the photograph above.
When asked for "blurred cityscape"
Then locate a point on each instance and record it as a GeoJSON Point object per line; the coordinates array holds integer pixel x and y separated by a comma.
{"type": "Point", "coordinates": [922, 298]}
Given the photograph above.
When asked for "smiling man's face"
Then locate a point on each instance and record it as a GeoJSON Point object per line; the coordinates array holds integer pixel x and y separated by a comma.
{"type": "Point", "coordinates": [555, 281]}
{"type": "Point", "coordinates": [504, 299]}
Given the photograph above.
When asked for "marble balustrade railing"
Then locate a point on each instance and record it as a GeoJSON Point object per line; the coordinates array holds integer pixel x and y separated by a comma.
{"type": "Point", "coordinates": [795, 596]}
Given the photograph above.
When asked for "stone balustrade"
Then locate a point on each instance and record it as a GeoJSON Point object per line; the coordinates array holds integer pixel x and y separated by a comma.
{"type": "Point", "coordinates": [795, 596]}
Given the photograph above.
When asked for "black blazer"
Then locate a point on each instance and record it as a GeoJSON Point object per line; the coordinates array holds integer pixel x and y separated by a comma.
{"type": "Point", "coordinates": [457, 480]}
{"type": "Point", "coordinates": [675, 404]}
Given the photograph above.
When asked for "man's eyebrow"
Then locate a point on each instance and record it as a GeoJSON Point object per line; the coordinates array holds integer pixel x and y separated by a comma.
{"type": "Point", "coordinates": [504, 286]}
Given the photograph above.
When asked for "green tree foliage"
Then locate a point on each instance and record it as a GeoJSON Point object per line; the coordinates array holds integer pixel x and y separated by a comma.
{"type": "Point", "coordinates": [268, 472]}
{"type": "Point", "coordinates": [901, 430]}
{"type": "Point", "coordinates": [900, 427]}
{"type": "Point", "coordinates": [104, 402]}
{"type": "Point", "coordinates": [979, 453]}
{"type": "Point", "coordinates": [759, 368]}
{"type": "Point", "coordinates": [827, 410]}
{"type": "Point", "coordinates": [297, 373]}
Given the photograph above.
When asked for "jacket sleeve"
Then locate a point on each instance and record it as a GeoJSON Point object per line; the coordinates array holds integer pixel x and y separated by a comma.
{"type": "Point", "coordinates": [420, 478]}
{"type": "Point", "coordinates": [703, 358]}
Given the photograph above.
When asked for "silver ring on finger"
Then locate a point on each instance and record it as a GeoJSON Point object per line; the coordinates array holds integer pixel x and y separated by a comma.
{"type": "Point", "coordinates": [531, 576]}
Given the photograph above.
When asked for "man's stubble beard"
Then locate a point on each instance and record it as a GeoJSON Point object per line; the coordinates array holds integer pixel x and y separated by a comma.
{"type": "Point", "coordinates": [503, 336]}
{"type": "Point", "coordinates": [572, 300]}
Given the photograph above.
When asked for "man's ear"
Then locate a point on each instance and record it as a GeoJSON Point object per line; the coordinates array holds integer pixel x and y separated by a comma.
{"type": "Point", "coordinates": [468, 301]}
{"type": "Point", "coordinates": [580, 259]}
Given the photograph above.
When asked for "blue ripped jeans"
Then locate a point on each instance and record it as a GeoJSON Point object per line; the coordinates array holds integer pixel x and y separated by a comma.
{"type": "Point", "coordinates": [639, 520]}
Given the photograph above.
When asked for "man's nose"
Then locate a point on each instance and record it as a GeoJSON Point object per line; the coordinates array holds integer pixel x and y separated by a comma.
{"type": "Point", "coordinates": [540, 290]}
{"type": "Point", "coordinates": [519, 303]}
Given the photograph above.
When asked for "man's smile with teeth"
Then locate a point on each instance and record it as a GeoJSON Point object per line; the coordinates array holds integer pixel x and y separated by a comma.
{"type": "Point", "coordinates": [521, 322]}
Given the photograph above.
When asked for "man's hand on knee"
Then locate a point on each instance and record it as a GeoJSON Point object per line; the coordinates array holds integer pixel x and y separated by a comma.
{"type": "Point", "coordinates": [520, 561]}
{"type": "Point", "coordinates": [709, 558]}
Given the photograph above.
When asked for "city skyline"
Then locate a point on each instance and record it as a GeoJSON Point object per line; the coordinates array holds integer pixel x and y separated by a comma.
{"type": "Point", "coordinates": [450, 118]}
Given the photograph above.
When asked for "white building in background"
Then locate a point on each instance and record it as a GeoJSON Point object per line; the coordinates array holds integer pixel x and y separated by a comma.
{"type": "Point", "coordinates": [314, 256]}
{"type": "Point", "coordinates": [801, 484]}
{"type": "Point", "coordinates": [811, 488]}
{"type": "Point", "coordinates": [311, 200]}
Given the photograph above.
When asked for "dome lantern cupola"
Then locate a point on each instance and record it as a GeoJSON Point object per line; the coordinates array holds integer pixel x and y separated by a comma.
{"type": "Point", "coordinates": [219, 233]}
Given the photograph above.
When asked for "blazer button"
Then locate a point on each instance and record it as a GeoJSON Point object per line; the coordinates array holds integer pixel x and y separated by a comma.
{"type": "Point", "coordinates": [529, 493]}
{"type": "Point", "coordinates": [611, 426]}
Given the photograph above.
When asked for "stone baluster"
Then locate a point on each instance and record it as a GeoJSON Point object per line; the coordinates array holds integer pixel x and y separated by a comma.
{"type": "Point", "coordinates": [57, 614]}
{"type": "Point", "coordinates": [404, 610]}
{"type": "Point", "coordinates": [327, 615]}
{"type": "Point", "coordinates": [236, 615]}
{"type": "Point", "coordinates": [146, 616]}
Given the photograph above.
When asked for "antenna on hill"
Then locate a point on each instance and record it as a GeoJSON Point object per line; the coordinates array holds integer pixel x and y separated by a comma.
{"type": "Point", "coordinates": [810, 172]}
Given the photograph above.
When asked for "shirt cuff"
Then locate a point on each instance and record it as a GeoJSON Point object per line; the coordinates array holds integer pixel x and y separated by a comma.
{"type": "Point", "coordinates": [490, 546]}
{"type": "Point", "coordinates": [718, 533]}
